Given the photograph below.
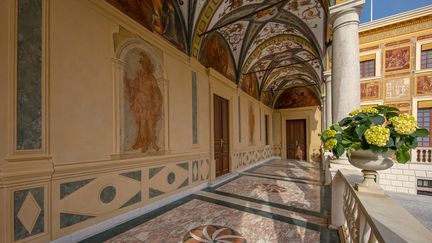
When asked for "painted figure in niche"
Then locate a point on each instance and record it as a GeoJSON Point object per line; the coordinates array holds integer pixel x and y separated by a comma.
{"type": "Point", "coordinates": [424, 85]}
{"type": "Point", "coordinates": [156, 15]}
{"type": "Point", "coordinates": [251, 124]}
{"type": "Point", "coordinates": [297, 97]}
{"type": "Point", "coordinates": [249, 85]}
{"type": "Point", "coordinates": [145, 101]}
{"type": "Point", "coordinates": [216, 54]}
{"type": "Point", "coordinates": [397, 59]}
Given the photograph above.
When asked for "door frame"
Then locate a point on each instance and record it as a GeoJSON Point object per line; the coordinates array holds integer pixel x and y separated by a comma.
{"type": "Point", "coordinates": [308, 133]}
{"type": "Point", "coordinates": [221, 91]}
{"type": "Point", "coordinates": [305, 133]}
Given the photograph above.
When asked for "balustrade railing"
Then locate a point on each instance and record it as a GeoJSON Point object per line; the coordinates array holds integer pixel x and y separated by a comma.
{"type": "Point", "coordinates": [423, 155]}
{"type": "Point", "coordinates": [369, 217]}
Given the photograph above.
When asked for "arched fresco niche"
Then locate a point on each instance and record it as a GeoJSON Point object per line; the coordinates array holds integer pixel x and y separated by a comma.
{"type": "Point", "coordinates": [249, 85]}
{"type": "Point", "coordinates": [142, 92]}
{"type": "Point", "coordinates": [158, 16]}
{"type": "Point", "coordinates": [299, 96]}
{"type": "Point", "coordinates": [216, 53]}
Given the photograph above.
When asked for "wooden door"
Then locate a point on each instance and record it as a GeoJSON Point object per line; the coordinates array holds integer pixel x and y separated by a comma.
{"type": "Point", "coordinates": [221, 135]}
{"type": "Point", "coordinates": [296, 139]}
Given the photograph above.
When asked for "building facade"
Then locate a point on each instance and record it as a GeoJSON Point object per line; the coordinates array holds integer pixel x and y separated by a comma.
{"type": "Point", "coordinates": [396, 70]}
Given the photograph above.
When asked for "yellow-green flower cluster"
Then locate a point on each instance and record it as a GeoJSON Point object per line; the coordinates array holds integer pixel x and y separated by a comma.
{"type": "Point", "coordinates": [404, 124]}
{"type": "Point", "coordinates": [355, 112]}
{"type": "Point", "coordinates": [330, 133]}
{"type": "Point", "coordinates": [377, 135]}
{"type": "Point", "coordinates": [330, 144]}
{"type": "Point", "coordinates": [370, 110]}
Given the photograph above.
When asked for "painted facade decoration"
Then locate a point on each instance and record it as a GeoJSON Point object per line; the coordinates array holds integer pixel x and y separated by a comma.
{"type": "Point", "coordinates": [143, 127]}
{"type": "Point", "coordinates": [397, 88]}
{"type": "Point", "coordinates": [370, 90]}
{"type": "Point", "coordinates": [297, 97]}
{"type": "Point", "coordinates": [250, 85]}
{"type": "Point", "coordinates": [397, 59]}
{"type": "Point", "coordinates": [158, 16]}
{"type": "Point", "coordinates": [216, 48]}
{"type": "Point", "coordinates": [424, 85]}
{"type": "Point", "coordinates": [404, 107]}
{"type": "Point", "coordinates": [251, 118]}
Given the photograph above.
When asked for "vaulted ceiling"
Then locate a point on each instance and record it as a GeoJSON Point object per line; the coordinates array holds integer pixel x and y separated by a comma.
{"type": "Point", "coordinates": [263, 46]}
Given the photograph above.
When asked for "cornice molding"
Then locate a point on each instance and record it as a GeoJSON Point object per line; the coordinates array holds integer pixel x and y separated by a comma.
{"type": "Point", "coordinates": [397, 29]}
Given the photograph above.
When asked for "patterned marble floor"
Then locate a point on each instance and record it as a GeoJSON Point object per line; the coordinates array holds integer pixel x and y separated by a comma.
{"type": "Point", "coordinates": [279, 201]}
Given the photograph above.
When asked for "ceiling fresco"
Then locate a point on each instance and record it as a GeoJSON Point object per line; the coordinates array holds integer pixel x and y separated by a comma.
{"type": "Point", "coordinates": [264, 46]}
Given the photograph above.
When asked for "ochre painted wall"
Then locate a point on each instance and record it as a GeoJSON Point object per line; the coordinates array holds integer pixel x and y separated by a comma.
{"type": "Point", "coordinates": [81, 163]}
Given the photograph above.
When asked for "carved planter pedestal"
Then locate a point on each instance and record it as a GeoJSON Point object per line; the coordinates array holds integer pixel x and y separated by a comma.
{"type": "Point", "coordinates": [370, 162]}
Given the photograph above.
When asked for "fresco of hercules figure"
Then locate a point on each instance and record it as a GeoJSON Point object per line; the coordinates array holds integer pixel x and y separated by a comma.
{"type": "Point", "coordinates": [145, 102]}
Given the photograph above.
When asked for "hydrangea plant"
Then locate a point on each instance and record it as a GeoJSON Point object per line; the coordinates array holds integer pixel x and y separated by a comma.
{"type": "Point", "coordinates": [380, 129]}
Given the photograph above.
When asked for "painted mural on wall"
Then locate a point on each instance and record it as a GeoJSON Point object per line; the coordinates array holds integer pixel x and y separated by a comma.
{"type": "Point", "coordinates": [370, 90]}
{"type": "Point", "coordinates": [397, 88]}
{"type": "Point", "coordinates": [297, 97]}
{"type": "Point", "coordinates": [251, 118]}
{"type": "Point", "coordinates": [142, 129]}
{"type": "Point", "coordinates": [397, 59]}
{"type": "Point", "coordinates": [249, 85]}
{"type": "Point", "coordinates": [424, 85]}
{"type": "Point", "coordinates": [267, 98]}
{"type": "Point", "coordinates": [215, 53]}
{"type": "Point", "coordinates": [156, 15]}
{"type": "Point", "coordinates": [404, 107]}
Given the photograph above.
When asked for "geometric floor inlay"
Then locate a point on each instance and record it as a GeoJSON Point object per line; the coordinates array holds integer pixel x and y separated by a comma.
{"type": "Point", "coordinates": [213, 233]}
{"type": "Point", "coordinates": [263, 205]}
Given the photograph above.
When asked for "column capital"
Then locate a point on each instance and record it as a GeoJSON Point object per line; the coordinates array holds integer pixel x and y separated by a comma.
{"type": "Point", "coordinates": [345, 13]}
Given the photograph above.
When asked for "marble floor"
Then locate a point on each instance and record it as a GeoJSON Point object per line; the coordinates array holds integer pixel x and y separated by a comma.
{"type": "Point", "coordinates": [278, 201]}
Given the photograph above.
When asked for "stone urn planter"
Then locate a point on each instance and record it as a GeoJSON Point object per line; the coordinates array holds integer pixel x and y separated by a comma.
{"type": "Point", "coordinates": [370, 163]}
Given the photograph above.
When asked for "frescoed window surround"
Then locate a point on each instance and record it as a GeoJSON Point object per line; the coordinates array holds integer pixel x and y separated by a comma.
{"type": "Point", "coordinates": [373, 55]}
{"type": "Point", "coordinates": [422, 45]}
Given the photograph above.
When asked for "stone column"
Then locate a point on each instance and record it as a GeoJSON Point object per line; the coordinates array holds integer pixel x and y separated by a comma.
{"type": "Point", "coordinates": [345, 74]}
{"type": "Point", "coordinates": [328, 100]}
{"type": "Point", "coordinates": [345, 65]}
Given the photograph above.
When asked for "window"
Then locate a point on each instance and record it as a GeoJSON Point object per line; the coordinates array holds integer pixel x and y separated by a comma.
{"type": "Point", "coordinates": [424, 187]}
{"type": "Point", "coordinates": [367, 68]}
{"type": "Point", "coordinates": [426, 59]}
{"type": "Point", "coordinates": [424, 121]}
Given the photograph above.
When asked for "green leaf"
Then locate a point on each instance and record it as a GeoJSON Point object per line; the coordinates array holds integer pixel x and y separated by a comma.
{"type": "Point", "coordinates": [355, 146]}
{"type": "Point", "coordinates": [346, 142]}
{"type": "Point", "coordinates": [360, 130]}
{"type": "Point", "coordinates": [391, 114]}
{"type": "Point", "coordinates": [377, 119]}
{"type": "Point", "coordinates": [390, 143]}
{"type": "Point", "coordinates": [378, 150]}
{"type": "Point", "coordinates": [391, 108]}
{"type": "Point", "coordinates": [402, 156]}
{"type": "Point", "coordinates": [338, 137]}
{"type": "Point", "coordinates": [336, 127]}
{"type": "Point", "coordinates": [411, 142]}
{"type": "Point", "coordinates": [346, 121]}
{"type": "Point", "coordinates": [421, 132]}
{"type": "Point", "coordinates": [339, 149]}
